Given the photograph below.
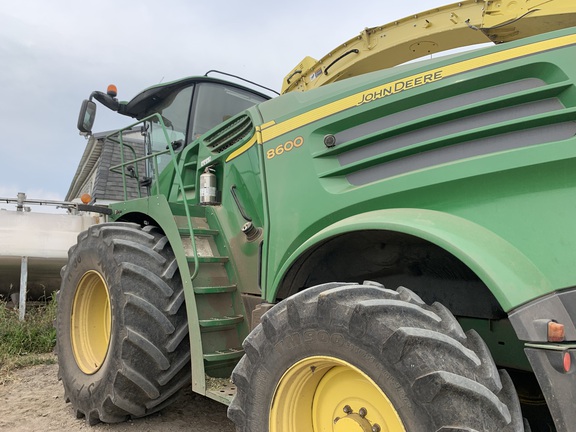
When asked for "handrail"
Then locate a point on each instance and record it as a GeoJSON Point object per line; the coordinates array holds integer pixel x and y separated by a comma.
{"type": "Point", "coordinates": [122, 166]}
{"type": "Point", "coordinates": [154, 157]}
{"type": "Point", "coordinates": [140, 159]}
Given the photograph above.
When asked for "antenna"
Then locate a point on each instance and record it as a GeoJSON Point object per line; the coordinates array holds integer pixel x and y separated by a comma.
{"type": "Point", "coordinates": [240, 78]}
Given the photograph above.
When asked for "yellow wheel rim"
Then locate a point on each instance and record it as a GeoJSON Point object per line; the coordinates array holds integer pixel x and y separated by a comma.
{"type": "Point", "coordinates": [328, 394]}
{"type": "Point", "coordinates": [90, 322]}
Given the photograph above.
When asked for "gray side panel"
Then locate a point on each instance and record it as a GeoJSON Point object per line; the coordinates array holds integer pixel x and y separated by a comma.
{"type": "Point", "coordinates": [479, 147]}
{"type": "Point", "coordinates": [449, 128]}
{"type": "Point", "coordinates": [436, 107]}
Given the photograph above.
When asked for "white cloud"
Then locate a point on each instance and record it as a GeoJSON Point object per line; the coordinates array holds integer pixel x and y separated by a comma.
{"type": "Point", "coordinates": [54, 54]}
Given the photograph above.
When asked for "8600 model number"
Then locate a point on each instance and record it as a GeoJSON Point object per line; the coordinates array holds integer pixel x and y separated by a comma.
{"type": "Point", "coordinates": [288, 146]}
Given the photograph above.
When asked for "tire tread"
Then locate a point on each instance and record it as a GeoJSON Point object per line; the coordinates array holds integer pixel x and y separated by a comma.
{"type": "Point", "coordinates": [151, 356]}
{"type": "Point", "coordinates": [450, 373]}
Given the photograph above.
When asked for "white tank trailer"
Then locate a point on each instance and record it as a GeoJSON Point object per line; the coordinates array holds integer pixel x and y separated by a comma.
{"type": "Point", "coordinates": [34, 245]}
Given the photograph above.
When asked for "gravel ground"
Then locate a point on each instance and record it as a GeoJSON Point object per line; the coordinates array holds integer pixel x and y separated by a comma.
{"type": "Point", "coordinates": [33, 400]}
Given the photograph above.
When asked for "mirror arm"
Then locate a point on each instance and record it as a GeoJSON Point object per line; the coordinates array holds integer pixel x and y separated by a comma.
{"type": "Point", "coordinates": [106, 100]}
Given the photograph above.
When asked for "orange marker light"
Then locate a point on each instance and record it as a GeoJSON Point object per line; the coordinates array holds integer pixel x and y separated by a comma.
{"type": "Point", "coordinates": [112, 90]}
{"type": "Point", "coordinates": [567, 362]}
{"type": "Point", "coordinates": [555, 332]}
{"type": "Point", "coordinates": [85, 198]}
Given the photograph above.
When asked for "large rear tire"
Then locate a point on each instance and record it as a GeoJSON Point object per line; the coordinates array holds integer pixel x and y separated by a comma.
{"type": "Point", "coordinates": [345, 357]}
{"type": "Point", "coordinates": [122, 333]}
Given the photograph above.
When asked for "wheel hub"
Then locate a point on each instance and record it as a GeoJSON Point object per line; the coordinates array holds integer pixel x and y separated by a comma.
{"type": "Point", "coordinates": [90, 322]}
{"type": "Point", "coordinates": [355, 422]}
{"type": "Point", "coordinates": [328, 394]}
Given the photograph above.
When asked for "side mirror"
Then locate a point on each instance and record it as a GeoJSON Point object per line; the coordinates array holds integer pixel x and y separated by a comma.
{"type": "Point", "coordinates": [86, 116]}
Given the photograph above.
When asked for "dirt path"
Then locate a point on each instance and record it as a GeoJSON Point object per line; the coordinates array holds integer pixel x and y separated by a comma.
{"type": "Point", "coordinates": [33, 400]}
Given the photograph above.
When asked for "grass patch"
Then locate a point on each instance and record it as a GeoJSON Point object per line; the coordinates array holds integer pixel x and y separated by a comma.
{"type": "Point", "coordinates": [29, 342]}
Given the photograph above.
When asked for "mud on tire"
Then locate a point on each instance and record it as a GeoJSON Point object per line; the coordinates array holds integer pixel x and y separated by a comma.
{"type": "Point", "coordinates": [147, 359]}
{"type": "Point", "coordinates": [436, 377]}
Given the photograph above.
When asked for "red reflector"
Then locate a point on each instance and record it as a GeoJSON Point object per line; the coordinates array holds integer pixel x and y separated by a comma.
{"type": "Point", "coordinates": [567, 362]}
{"type": "Point", "coordinates": [555, 332]}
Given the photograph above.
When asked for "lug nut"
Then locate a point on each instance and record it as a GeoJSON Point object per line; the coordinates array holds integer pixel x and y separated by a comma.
{"type": "Point", "coordinates": [376, 428]}
{"type": "Point", "coordinates": [362, 412]}
{"type": "Point", "coordinates": [347, 409]}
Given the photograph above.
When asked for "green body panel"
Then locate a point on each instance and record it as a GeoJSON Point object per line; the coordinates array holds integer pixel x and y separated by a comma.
{"type": "Point", "coordinates": [503, 268]}
{"type": "Point", "coordinates": [473, 155]}
{"type": "Point", "coordinates": [488, 210]}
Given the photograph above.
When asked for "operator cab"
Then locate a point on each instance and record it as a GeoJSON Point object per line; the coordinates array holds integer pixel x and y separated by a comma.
{"type": "Point", "coordinates": [192, 106]}
{"type": "Point", "coordinates": [188, 107]}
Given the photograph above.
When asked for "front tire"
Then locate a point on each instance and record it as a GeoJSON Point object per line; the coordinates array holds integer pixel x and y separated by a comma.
{"type": "Point", "coordinates": [122, 334]}
{"type": "Point", "coordinates": [364, 358]}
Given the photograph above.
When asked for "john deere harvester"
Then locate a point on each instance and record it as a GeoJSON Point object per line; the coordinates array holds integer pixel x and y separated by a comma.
{"type": "Point", "coordinates": [384, 247]}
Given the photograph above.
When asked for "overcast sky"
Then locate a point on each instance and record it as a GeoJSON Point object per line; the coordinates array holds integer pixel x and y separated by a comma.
{"type": "Point", "coordinates": [53, 54]}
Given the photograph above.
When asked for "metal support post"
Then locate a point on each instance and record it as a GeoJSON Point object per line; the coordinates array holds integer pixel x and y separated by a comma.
{"type": "Point", "coordinates": [23, 287]}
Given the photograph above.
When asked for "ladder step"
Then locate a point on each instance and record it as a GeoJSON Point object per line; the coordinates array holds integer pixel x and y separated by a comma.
{"type": "Point", "coordinates": [189, 187]}
{"type": "Point", "coordinates": [215, 289]}
{"type": "Point", "coordinates": [223, 393]}
{"type": "Point", "coordinates": [178, 209]}
{"type": "Point", "coordinates": [216, 323]}
{"type": "Point", "coordinates": [208, 259]}
{"type": "Point", "coordinates": [191, 164]}
{"type": "Point", "coordinates": [204, 232]}
{"type": "Point", "coordinates": [229, 354]}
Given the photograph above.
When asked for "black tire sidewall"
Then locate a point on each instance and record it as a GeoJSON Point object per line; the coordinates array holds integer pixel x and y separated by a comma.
{"type": "Point", "coordinates": [89, 255]}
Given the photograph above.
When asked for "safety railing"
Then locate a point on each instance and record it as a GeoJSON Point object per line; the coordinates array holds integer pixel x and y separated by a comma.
{"type": "Point", "coordinates": [126, 169]}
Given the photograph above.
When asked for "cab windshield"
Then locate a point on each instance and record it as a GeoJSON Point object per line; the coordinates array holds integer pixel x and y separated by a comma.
{"type": "Point", "coordinates": [215, 103]}
{"type": "Point", "coordinates": [192, 111]}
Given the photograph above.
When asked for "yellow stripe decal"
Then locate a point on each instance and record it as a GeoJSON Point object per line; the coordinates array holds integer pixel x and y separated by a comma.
{"type": "Point", "coordinates": [242, 149]}
{"type": "Point", "coordinates": [383, 90]}
{"type": "Point", "coordinates": [267, 125]}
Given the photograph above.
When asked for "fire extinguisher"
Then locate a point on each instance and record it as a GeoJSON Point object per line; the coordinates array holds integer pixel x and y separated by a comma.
{"type": "Point", "coordinates": [208, 194]}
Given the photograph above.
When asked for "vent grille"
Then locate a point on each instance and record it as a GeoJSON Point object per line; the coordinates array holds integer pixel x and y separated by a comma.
{"type": "Point", "coordinates": [230, 134]}
{"type": "Point", "coordinates": [503, 117]}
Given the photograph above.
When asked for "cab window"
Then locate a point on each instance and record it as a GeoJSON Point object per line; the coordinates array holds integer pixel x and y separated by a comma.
{"type": "Point", "coordinates": [215, 103]}
{"type": "Point", "coordinates": [174, 111]}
